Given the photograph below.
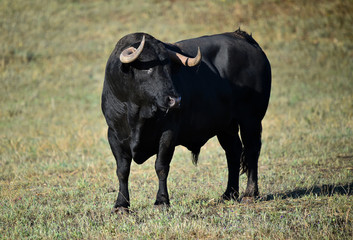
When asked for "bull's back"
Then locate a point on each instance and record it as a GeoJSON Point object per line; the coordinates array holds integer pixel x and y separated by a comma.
{"type": "Point", "coordinates": [241, 63]}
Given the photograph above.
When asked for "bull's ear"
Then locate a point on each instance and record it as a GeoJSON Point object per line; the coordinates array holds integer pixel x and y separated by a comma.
{"type": "Point", "coordinates": [125, 68]}
{"type": "Point", "coordinates": [175, 66]}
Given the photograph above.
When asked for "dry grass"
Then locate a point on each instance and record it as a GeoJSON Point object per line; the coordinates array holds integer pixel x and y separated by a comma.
{"type": "Point", "coordinates": [57, 175]}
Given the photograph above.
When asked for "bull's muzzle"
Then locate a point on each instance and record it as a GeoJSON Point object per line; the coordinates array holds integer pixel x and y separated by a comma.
{"type": "Point", "coordinates": [174, 102]}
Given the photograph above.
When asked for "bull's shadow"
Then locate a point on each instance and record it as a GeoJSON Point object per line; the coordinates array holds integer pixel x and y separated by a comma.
{"type": "Point", "coordinates": [319, 190]}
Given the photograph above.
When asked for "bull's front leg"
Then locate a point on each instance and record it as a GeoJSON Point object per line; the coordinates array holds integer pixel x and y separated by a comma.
{"type": "Point", "coordinates": [164, 157]}
{"type": "Point", "coordinates": [123, 162]}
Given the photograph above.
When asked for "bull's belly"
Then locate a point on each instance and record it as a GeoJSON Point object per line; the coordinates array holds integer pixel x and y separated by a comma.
{"type": "Point", "coordinates": [200, 130]}
{"type": "Point", "coordinates": [195, 142]}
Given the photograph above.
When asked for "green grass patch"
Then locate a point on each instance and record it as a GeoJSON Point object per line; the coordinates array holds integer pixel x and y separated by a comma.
{"type": "Point", "coordinates": [57, 174]}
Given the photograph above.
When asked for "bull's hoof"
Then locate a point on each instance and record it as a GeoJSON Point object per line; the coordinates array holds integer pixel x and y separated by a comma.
{"type": "Point", "coordinates": [122, 211]}
{"type": "Point", "coordinates": [228, 196]}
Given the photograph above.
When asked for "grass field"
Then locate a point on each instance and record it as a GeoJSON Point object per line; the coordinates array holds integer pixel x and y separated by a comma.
{"type": "Point", "coordinates": [57, 174]}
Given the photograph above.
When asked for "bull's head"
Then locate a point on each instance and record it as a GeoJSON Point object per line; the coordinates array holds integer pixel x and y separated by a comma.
{"type": "Point", "coordinates": [149, 66]}
{"type": "Point", "coordinates": [131, 54]}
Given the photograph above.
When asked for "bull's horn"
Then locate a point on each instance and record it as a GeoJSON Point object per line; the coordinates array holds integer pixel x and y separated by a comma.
{"type": "Point", "coordinates": [186, 61]}
{"type": "Point", "coordinates": [131, 54]}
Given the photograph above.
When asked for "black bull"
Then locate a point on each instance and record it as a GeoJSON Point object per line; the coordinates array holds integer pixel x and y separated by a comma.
{"type": "Point", "coordinates": [156, 96]}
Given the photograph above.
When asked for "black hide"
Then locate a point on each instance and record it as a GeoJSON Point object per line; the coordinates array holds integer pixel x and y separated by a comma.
{"type": "Point", "coordinates": [226, 95]}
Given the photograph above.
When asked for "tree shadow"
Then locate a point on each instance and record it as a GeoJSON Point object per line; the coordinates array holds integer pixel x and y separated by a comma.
{"type": "Point", "coordinates": [319, 190]}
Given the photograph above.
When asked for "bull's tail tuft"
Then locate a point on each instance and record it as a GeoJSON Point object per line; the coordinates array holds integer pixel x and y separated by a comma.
{"type": "Point", "coordinates": [195, 156]}
{"type": "Point", "coordinates": [243, 164]}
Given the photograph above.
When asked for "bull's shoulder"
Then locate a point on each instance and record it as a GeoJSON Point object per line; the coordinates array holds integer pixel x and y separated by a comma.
{"type": "Point", "coordinates": [113, 109]}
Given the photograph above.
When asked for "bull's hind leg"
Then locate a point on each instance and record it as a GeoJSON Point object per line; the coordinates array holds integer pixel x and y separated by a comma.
{"type": "Point", "coordinates": [251, 138]}
{"type": "Point", "coordinates": [232, 146]}
{"type": "Point", "coordinates": [123, 162]}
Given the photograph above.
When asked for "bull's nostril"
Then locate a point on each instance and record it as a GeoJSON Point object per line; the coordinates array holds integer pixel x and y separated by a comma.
{"type": "Point", "coordinates": [174, 102]}
{"type": "Point", "coordinates": [171, 101]}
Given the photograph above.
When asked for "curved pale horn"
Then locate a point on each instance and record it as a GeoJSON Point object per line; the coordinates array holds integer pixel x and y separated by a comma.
{"type": "Point", "coordinates": [186, 61]}
{"type": "Point", "coordinates": [131, 54]}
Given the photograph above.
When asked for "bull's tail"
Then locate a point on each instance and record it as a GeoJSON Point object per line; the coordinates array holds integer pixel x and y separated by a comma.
{"type": "Point", "coordinates": [243, 164]}
{"type": "Point", "coordinates": [195, 156]}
